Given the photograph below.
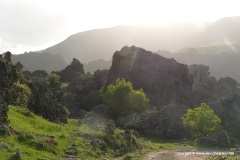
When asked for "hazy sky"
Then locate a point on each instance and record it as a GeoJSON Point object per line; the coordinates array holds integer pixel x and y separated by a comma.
{"type": "Point", "coordinates": [29, 25]}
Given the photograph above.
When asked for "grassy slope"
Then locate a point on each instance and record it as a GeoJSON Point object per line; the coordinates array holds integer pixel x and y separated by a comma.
{"type": "Point", "coordinates": [37, 138]}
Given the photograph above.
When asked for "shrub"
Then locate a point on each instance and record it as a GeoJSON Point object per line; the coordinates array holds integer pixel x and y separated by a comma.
{"type": "Point", "coordinates": [20, 94]}
{"type": "Point", "coordinates": [201, 121]}
{"type": "Point", "coordinates": [53, 80]}
{"type": "Point", "coordinates": [121, 99]}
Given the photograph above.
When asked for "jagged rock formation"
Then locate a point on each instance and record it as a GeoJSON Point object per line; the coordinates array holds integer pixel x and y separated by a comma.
{"type": "Point", "coordinates": [72, 72]}
{"type": "Point", "coordinates": [8, 75]}
{"type": "Point", "coordinates": [7, 56]}
{"type": "Point", "coordinates": [165, 81]}
{"type": "Point", "coordinates": [19, 66]}
{"type": "Point", "coordinates": [215, 90]}
{"type": "Point", "coordinates": [44, 103]}
{"type": "Point", "coordinates": [200, 75]}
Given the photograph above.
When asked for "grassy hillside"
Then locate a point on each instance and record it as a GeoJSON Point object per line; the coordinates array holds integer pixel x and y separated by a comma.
{"type": "Point", "coordinates": [37, 138]}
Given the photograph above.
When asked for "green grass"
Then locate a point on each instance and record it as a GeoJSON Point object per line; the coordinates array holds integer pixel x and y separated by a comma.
{"type": "Point", "coordinates": [37, 138]}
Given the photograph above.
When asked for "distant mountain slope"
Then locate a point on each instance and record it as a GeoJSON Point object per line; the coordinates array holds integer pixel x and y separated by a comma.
{"type": "Point", "coordinates": [221, 64]}
{"type": "Point", "coordinates": [100, 64]}
{"type": "Point", "coordinates": [102, 43]}
{"type": "Point", "coordinates": [223, 32]}
{"type": "Point", "coordinates": [35, 61]}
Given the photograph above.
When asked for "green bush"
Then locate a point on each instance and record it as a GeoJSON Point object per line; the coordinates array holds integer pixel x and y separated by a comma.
{"type": "Point", "coordinates": [201, 121]}
{"type": "Point", "coordinates": [93, 98]}
{"type": "Point", "coordinates": [122, 100]}
{"type": "Point", "coordinates": [53, 80]}
{"type": "Point", "coordinates": [20, 94]}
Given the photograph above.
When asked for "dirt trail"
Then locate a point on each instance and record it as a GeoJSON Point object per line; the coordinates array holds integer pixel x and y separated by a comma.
{"type": "Point", "coordinates": [71, 152]}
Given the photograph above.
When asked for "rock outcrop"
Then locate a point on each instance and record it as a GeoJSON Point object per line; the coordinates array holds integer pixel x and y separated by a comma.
{"type": "Point", "coordinates": [200, 75]}
{"type": "Point", "coordinates": [228, 109]}
{"type": "Point", "coordinates": [19, 66]}
{"type": "Point", "coordinates": [7, 56]}
{"type": "Point", "coordinates": [165, 81]}
{"type": "Point", "coordinates": [157, 121]}
{"type": "Point", "coordinates": [72, 72]}
{"type": "Point", "coordinates": [8, 76]}
{"type": "Point", "coordinates": [44, 103]}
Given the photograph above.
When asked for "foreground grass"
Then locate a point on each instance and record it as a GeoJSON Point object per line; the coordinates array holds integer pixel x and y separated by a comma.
{"type": "Point", "coordinates": [37, 138]}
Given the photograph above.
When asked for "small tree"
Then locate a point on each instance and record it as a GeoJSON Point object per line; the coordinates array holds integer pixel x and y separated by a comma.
{"type": "Point", "coordinates": [201, 121]}
{"type": "Point", "coordinates": [121, 99]}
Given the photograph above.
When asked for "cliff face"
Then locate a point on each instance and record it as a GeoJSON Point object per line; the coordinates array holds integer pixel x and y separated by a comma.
{"type": "Point", "coordinates": [8, 75]}
{"type": "Point", "coordinates": [165, 81]}
{"type": "Point", "coordinates": [200, 75]}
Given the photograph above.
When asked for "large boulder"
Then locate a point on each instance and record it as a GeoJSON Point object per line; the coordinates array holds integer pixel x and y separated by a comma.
{"type": "Point", "coordinates": [165, 81]}
{"type": "Point", "coordinates": [157, 121]}
{"type": "Point", "coordinates": [72, 72]}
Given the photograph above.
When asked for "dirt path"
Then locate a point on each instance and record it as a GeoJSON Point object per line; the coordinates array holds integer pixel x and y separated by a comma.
{"type": "Point", "coordinates": [71, 152]}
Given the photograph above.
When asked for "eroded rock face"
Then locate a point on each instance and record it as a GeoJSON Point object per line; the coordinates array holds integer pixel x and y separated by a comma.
{"type": "Point", "coordinates": [165, 81]}
{"type": "Point", "coordinates": [8, 75]}
{"type": "Point", "coordinates": [200, 75]}
{"type": "Point", "coordinates": [44, 103]}
{"type": "Point", "coordinates": [72, 72]}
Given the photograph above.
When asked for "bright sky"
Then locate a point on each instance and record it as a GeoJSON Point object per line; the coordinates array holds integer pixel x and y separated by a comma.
{"type": "Point", "coordinates": [29, 25]}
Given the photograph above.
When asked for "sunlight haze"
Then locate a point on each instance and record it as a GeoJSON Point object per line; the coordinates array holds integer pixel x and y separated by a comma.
{"type": "Point", "coordinates": [28, 25]}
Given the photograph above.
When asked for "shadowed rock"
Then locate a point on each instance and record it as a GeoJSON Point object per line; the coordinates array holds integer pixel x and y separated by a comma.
{"type": "Point", "coordinates": [165, 81]}
{"type": "Point", "coordinates": [72, 72]}
{"type": "Point", "coordinates": [200, 75]}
